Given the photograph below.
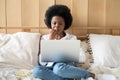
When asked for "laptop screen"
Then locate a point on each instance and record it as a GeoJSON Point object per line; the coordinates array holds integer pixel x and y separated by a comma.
{"type": "Point", "coordinates": [60, 50]}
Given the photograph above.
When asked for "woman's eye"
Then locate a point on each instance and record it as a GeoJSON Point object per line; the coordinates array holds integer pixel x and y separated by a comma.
{"type": "Point", "coordinates": [60, 23]}
{"type": "Point", "coordinates": [57, 23]}
{"type": "Point", "coordinates": [54, 23]}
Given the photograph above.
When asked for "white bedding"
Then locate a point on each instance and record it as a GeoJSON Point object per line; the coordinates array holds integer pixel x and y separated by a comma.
{"type": "Point", "coordinates": [102, 70]}
{"type": "Point", "coordinates": [18, 55]}
{"type": "Point", "coordinates": [16, 74]}
{"type": "Point", "coordinates": [105, 50]}
{"type": "Point", "coordinates": [18, 49]}
{"type": "Point", "coordinates": [104, 73]}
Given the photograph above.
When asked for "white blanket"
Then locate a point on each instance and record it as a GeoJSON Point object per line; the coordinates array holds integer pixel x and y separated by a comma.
{"type": "Point", "coordinates": [16, 74]}
{"type": "Point", "coordinates": [105, 72]}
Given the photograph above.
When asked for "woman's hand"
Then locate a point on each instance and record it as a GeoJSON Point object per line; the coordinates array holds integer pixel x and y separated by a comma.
{"type": "Point", "coordinates": [55, 35]}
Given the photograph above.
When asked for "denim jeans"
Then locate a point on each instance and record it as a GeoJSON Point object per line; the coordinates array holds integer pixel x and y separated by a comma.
{"type": "Point", "coordinates": [60, 71]}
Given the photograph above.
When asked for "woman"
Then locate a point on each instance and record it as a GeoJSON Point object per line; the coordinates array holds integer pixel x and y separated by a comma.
{"type": "Point", "coordinates": [58, 19]}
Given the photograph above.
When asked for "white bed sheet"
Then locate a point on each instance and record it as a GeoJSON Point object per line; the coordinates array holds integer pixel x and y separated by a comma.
{"type": "Point", "coordinates": [16, 74]}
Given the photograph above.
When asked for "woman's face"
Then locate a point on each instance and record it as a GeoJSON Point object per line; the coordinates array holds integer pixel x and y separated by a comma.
{"type": "Point", "coordinates": [58, 24]}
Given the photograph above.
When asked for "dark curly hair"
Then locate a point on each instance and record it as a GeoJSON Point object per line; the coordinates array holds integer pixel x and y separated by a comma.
{"type": "Point", "coordinates": [58, 10]}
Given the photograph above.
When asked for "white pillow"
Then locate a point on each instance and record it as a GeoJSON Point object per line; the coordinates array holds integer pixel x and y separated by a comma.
{"type": "Point", "coordinates": [105, 49]}
{"type": "Point", "coordinates": [19, 50]}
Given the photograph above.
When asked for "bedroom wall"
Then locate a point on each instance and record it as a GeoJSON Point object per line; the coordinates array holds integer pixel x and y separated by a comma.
{"type": "Point", "coordinates": [90, 16]}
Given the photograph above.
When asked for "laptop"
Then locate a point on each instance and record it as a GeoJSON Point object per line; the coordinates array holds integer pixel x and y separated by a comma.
{"type": "Point", "coordinates": [60, 50]}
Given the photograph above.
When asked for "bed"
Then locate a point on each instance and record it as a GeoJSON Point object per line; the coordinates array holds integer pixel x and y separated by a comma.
{"type": "Point", "coordinates": [19, 54]}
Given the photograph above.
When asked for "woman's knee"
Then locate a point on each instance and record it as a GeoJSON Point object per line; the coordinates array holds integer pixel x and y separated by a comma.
{"type": "Point", "coordinates": [39, 71]}
{"type": "Point", "coordinates": [59, 68]}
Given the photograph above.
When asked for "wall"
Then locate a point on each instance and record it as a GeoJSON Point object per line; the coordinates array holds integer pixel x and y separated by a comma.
{"type": "Point", "coordinates": [90, 16]}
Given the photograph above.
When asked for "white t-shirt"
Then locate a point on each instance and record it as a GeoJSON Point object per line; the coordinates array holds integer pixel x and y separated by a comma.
{"type": "Point", "coordinates": [66, 37]}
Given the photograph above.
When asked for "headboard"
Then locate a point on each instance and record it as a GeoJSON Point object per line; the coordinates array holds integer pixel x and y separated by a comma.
{"type": "Point", "coordinates": [97, 30]}
{"type": "Point", "coordinates": [89, 16]}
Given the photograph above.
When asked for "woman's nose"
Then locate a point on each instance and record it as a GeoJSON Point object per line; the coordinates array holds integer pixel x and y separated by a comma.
{"type": "Point", "coordinates": [56, 27]}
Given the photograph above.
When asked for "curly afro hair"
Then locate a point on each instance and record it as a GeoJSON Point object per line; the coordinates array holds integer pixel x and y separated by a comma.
{"type": "Point", "coordinates": [58, 10]}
